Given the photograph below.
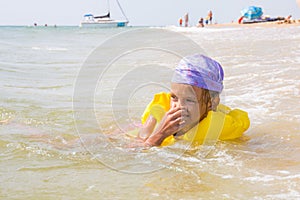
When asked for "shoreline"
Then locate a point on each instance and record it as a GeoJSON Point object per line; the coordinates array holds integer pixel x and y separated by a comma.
{"type": "Point", "coordinates": [279, 23]}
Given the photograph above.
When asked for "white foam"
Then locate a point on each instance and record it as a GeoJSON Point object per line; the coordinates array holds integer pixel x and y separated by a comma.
{"type": "Point", "coordinates": [36, 48]}
{"type": "Point", "coordinates": [270, 178]}
{"type": "Point", "coordinates": [56, 49]}
{"type": "Point", "coordinates": [292, 194]}
{"type": "Point", "coordinates": [197, 29]}
{"type": "Point", "coordinates": [49, 48]}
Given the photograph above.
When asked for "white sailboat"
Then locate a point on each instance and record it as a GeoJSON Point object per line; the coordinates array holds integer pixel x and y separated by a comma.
{"type": "Point", "coordinates": [104, 21]}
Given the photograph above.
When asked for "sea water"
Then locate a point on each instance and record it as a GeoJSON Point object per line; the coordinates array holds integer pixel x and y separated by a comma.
{"type": "Point", "coordinates": [50, 152]}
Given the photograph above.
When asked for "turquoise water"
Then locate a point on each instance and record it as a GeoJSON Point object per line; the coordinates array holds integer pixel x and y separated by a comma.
{"type": "Point", "coordinates": [48, 152]}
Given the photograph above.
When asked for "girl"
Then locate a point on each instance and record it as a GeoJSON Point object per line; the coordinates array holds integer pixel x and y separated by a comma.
{"type": "Point", "coordinates": [191, 110]}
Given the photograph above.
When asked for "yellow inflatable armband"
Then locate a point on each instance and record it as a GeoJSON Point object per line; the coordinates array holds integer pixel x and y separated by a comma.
{"type": "Point", "coordinates": [157, 107]}
{"type": "Point", "coordinates": [224, 124]}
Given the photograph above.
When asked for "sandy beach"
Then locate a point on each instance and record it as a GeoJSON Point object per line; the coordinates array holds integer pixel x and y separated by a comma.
{"type": "Point", "coordinates": [280, 23]}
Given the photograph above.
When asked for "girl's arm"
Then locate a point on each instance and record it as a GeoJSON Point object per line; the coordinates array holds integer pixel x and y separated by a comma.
{"type": "Point", "coordinates": [147, 128]}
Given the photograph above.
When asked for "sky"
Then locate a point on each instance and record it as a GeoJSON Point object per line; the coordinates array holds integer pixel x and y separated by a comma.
{"type": "Point", "coordinates": [139, 12]}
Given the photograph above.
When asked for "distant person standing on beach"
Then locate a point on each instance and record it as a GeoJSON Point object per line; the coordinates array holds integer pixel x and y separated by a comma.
{"type": "Point", "coordinates": [180, 21]}
{"type": "Point", "coordinates": [209, 17]}
{"type": "Point", "coordinates": [186, 20]}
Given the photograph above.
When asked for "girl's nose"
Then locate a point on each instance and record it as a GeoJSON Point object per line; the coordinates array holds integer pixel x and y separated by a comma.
{"type": "Point", "coordinates": [181, 104]}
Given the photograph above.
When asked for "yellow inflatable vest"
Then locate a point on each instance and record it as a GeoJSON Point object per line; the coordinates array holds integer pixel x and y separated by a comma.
{"type": "Point", "coordinates": [223, 124]}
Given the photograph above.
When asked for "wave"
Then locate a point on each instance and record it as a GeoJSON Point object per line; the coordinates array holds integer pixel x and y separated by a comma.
{"type": "Point", "coordinates": [49, 48]}
{"type": "Point", "coordinates": [197, 29]}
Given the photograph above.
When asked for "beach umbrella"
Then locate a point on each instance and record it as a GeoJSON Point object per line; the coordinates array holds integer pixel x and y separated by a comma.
{"type": "Point", "coordinates": [252, 12]}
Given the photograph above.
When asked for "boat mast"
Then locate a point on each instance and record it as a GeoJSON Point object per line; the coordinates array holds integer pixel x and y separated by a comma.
{"type": "Point", "coordinates": [122, 10]}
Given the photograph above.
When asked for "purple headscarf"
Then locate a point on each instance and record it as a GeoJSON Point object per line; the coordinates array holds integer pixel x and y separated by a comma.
{"type": "Point", "coordinates": [201, 71]}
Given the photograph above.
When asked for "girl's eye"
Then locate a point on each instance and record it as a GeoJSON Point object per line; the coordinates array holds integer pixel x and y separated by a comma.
{"type": "Point", "coordinates": [190, 101]}
{"type": "Point", "coordinates": [174, 98]}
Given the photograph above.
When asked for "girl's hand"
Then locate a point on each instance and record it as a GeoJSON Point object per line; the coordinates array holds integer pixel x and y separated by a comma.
{"type": "Point", "coordinates": [171, 123]}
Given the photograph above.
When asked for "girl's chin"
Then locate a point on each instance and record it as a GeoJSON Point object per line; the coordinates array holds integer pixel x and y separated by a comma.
{"type": "Point", "coordinates": [186, 128]}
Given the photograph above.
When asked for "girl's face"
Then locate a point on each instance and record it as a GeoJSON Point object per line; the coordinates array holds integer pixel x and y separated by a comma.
{"type": "Point", "coordinates": [192, 102]}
